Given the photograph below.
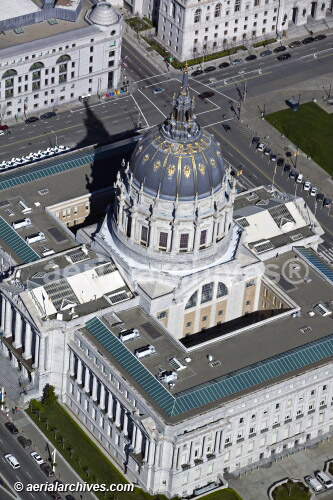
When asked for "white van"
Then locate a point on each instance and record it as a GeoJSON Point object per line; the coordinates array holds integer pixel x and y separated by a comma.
{"type": "Point", "coordinates": [300, 178]}
{"type": "Point", "coordinates": [13, 462]}
{"type": "Point", "coordinates": [314, 483]}
{"type": "Point", "coordinates": [325, 479]}
{"type": "Point", "coordinates": [147, 350]}
{"type": "Point", "coordinates": [21, 223]}
{"type": "Point", "coordinates": [33, 238]}
{"type": "Point", "coordinates": [129, 335]}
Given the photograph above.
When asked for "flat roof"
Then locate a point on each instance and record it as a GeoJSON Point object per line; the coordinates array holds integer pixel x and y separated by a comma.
{"type": "Point", "coordinates": [16, 8]}
{"type": "Point", "coordinates": [250, 360]}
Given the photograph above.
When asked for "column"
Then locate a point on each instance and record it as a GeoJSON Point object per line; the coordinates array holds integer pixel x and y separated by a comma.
{"type": "Point", "coordinates": [18, 331]}
{"type": "Point", "coordinates": [94, 388]}
{"type": "Point", "coordinates": [125, 426]}
{"type": "Point", "coordinates": [3, 312]}
{"type": "Point", "coordinates": [79, 371]}
{"type": "Point", "coordinates": [110, 405]}
{"type": "Point", "coordinates": [41, 360]}
{"type": "Point", "coordinates": [151, 454]}
{"type": "Point", "coordinates": [138, 443]}
{"type": "Point", "coordinates": [102, 397]}
{"type": "Point", "coordinates": [28, 343]}
{"type": "Point", "coordinates": [87, 380]}
{"type": "Point", "coordinates": [37, 339]}
{"type": "Point", "coordinates": [118, 413]}
{"type": "Point", "coordinates": [145, 455]}
{"type": "Point", "coordinates": [8, 319]}
{"type": "Point", "coordinates": [71, 363]}
{"type": "Point", "coordinates": [134, 429]}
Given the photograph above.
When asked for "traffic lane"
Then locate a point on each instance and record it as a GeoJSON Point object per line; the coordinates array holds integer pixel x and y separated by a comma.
{"type": "Point", "coordinates": [138, 61]}
{"type": "Point", "coordinates": [28, 473]}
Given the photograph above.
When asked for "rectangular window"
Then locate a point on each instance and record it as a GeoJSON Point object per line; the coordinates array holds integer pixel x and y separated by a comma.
{"type": "Point", "coordinates": [163, 243]}
{"type": "Point", "coordinates": [184, 241]}
{"type": "Point", "coordinates": [203, 237]}
{"type": "Point", "coordinates": [144, 235]}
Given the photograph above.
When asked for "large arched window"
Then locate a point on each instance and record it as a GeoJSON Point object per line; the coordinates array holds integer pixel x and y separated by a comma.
{"type": "Point", "coordinates": [197, 16]}
{"type": "Point", "coordinates": [207, 292]}
{"type": "Point", "coordinates": [10, 73]}
{"type": "Point", "coordinates": [217, 12]}
{"type": "Point", "coordinates": [63, 58]}
{"type": "Point", "coordinates": [222, 290]}
{"type": "Point", "coordinates": [192, 301]}
{"type": "Point", "coordinates": [36, 65]}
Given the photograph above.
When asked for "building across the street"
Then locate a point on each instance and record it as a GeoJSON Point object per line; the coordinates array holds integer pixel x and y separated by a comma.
{"type": "Point", "coordinates": [194, 29]}
{"type": "Point", "coordinates": [190, 330]}
{"type": "Point", "coordinates": [54, 52]}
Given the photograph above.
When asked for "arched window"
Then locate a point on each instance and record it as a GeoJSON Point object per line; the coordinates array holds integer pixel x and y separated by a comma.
{"type": "Point", "coordinates": [173, 10]}
{"type": "Point", "coordinates": [192, 301]}
{"type": "Point", "coordinates": [197, 16]}
{"type": "Point", "coordinates": [222, 290]}
{"type": "Point", "coordinates": [9, 73]}
{"type": "Point", "coordinates": [36, 65]}
{"type": "Point", "coordinates": [207, 292]}
{"type": "Point", "coordinates": [217, 12]}
{"type": "Point", "coordinates": [63, 58]}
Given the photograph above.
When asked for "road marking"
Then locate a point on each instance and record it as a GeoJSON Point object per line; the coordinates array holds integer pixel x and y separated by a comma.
{"type": "Point", "coordinates": [28, 475]}
{"type": "Point", "coordinates": [240, 81]}
{"type": "Point", "coordinates": [316, 51]}
{"type": "Point", "coordinates": [115, 121]}
{"type": "Point", "coordinates": [31, 494]}
{"type": "Point", "coordinates": [18, 478]}
{"type": "Point", "coordinates": [322, 57]}
{"type": "Point", "coordinates": [79, 131]}
{"type": "Point", "coordinates": [216, 123]}
{"type": "Point", "coordinates": [151, 102]}
{"type": "Point", "coordinates": [68, 121]}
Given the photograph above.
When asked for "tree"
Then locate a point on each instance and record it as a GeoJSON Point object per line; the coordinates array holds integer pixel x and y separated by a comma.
{"type": "Point", "coordinates": [55, 432]}
{"type": "Point", "coordinates": [62, 441]}
{"type": "Point", "coordinates": [86, 469]}
{"type": "Point", "coordinates": [36, 407]}
{"type": "Point", "coordinates": [71, 451]}
{"type": "Point", "coordinates": [49, 395]}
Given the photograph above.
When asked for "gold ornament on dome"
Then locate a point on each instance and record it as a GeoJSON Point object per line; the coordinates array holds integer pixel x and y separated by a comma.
{"type": "Point", "coordinates": [140, 149]}
{"type": "Point", "coordinates": [146, 158]}
{"type": "Point", "coordinates": [218, 153]}
{"type": "Point", "coordinates": [171, 170]}
{"type": "Point", "coordinates": [157, 165]}
{"type": "Point", "coordinates": [201, 168]}
{"type": "Point", "coordinates": [187, 171]}
{"type": "Point", "coordinates": [212, 162]}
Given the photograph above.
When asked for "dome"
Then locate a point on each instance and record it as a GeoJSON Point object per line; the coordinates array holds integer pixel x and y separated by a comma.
{"type": "Point", "coordinates": [178, 160]}
{"type": "Point", "coordinates": [103, 14]}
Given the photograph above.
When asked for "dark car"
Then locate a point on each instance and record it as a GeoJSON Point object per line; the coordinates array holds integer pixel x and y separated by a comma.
{"type": "Point", "coordinates": [287, 168]}
{"type": "Point", "coordinates": [197, 72]}
{"type": "Point", "coordinates": [307, 40]}
{"type": "Point", "coordinates": [280, 162]}
{"type": "Point", "coordinates": [206, 95]}
{"type": "Point", "coordinates": [327, 202]}
{"type": "Point", "coordinates": [283, 57]}
{"type": "Point", "coordinates": [69, 497]}
{"type": "Point", "coordinates": [251, 57]}
{"type": "Point", "coordinates": [320, 197]}
{"type": "Point", "coordinates": [224, 65]}
{"type": "Point", "coordinates": [295, 44]}
{"type": "Point", "coordinates": [266, 53]}
{"type": "Point", "coordinates": [4, 127]}
{"type": "Point", "coordinates": [281, 48]}
{"type": "Point", "coordinates": [209, 69]}
{"type": "Point", "coordinates": [255, 140]}
{"type": "Point", "coordinates": [57, 481]}
{"type": "Point", "coordinates": [24, 442]}
{"type": "Point", "coordinates": [54, 495]}
{"type": "Point", "coordinates": [319, 37]}
{"type": "Point", "coordinates": [293, 174]}
{"type": "Point", "coordinates": [11, 427]}
{"type": "Point", "coordinates": [32, 119]}
{"type": "Point", "coordinates": [47, 115]}
{"type": "Point", "coordinates": [47, 469]}
{"type": "Point", "coordinates": [226, 127]}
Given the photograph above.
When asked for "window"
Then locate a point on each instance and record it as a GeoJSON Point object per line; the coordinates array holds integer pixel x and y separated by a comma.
{"type": "Point", "coordinates": [192, 302]}
{"type": "Point", "coordinates": [163, 243]}
{"type": "Point", "coordinates": [184, 241]}
{"type": "Point", "coordinates": [237, 6]}
{"type": "Point", "coordinates": [197, 16]}
{"type": "Point", "coordinates": [220, 312]}
{"type": "Point", "coordinates": [203, 236]}
{"type": "Point", "coordinates": [162, 315]}
{"type": "Point", "coordinates": [188, 324]}
{"type": "Point", "coordinates": [222, 290]}
{"type": "Point", "coordinates": [207, 292]}
{"type": "Point", "coordinates": [204, 318]}
{"type": "Point", "coordinates": [144, 235]}
{"type": "Point", "coordinates": [217, 11]}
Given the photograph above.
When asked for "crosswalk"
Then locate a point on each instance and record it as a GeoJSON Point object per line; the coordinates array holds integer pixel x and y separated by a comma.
{"type": "Point", "coordinates": [326, 253]}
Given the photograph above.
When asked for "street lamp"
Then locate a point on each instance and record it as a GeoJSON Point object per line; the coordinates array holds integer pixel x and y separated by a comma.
{"type": "Point", "coordinates": [56, 137]}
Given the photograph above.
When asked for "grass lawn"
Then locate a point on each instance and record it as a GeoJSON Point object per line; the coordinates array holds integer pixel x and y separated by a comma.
{"type": "Point", "coordinates": [294, 492]}
{"type": "Point", "coordinates": [80, 452]}
{"type": "Point", "coordinates": [309, 128]}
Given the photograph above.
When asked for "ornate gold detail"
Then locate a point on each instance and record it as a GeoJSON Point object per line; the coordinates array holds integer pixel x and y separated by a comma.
{"type": "Point", "coordinates": [201, 168]}
{"type": "Point", "coordinates": [157, 165]}
{"type": "Point", "coordinates": [212, 162]}
{"type": "Point", "coordinates": [187, 171]}
{"type": "Point", "coordinates": [146, 158]}
{"type": "Point", "coordinates": [218, 153]}
{"type": "Point", "coordinates": [140, 149]}
{"type": "Point", "coordinates": [171, 170]}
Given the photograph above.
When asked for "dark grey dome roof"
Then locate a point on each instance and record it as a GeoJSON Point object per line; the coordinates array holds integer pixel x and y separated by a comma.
{"type": "Point", "coordinates": [178, 159]}
{"type": "Point", "coordinates": [177, 169]}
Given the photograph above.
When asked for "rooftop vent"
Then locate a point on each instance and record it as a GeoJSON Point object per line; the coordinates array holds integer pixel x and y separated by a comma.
{"type": "Point", "coordinates": [296, 237]}
{"type": "Point", "coordinates": [262, 203]}
{"type": "Point", "coordinates": [263, 246]}
{"type": "Point", "coordinates": [243, 222]}
{"type": "Point", "coordinates": [252, 197]}
{"type": "Point", "coordinates": [215, 363]}
{"type": "Point", "coordinates": [118, 297]}
{"type": "Point", "coordinates": [177, 364]}
{"type": "Point", "coordinates": [321, 309]}
{"type": "Point", "coordinates": [305, 329]}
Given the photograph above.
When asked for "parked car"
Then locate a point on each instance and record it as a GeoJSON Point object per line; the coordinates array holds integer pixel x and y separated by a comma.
{"type": "Point", "coordinates": [255, 140]}
{"type": "Point", "coordinates": [325, 479]}
{"type": "Point", "coordinates": [251, 57]}
{"type": "Point", "coordinates": [319, 37]}
{"type": "Point", "coordinates": [261, 147]}
{"type": "Point", "coordinates": [280, 162]}
{"type": "Point", "coordinates": [12, 461]}
{"type": "Point", "coordinates": [299, 179]}
{"type": "Point", "coordinates": [327, 202]}
{"type": "Point", "coordinates": [286, 168]}
{"type": "Point", "coordinates": [209, 69]}
{"type": "Point", "coordinates": [227, 127]}
{"type": "Point", "coordinates": [37, 458]}
{"type": "Point", "coordinates": [280, 48]}
{"type": "Point", "coordinates": [47, 115]}
{"type": "Point", "coordinates": [32, 119]}
{"type": "Point", "coordinates": [54, 495]}
{"type": "Point", "coordinates": [314, 483]}
{"type": "Point", "coordinates": [313, 191]}
{"type": "Point", "coordinates": [206, 95]}
{"type": "Point", "coordinates": [273, 157]}
{"type": "Point", "coordinates": [4, 127]}
{"type": "Point", "coordinates": [224, 65]}
{"type": "Point", "coordinates": [158, 90]}
{"type": "Point", "coordinates": [197, 72]}
{"type": "Point", "coordinates": [266, 53]}
{"type": "Point", "coordinates": [307, 186]}
{"type": "Point", "coordinates": [293, 174]}
{"type": "Point", "coordinates": [11, 427]}
{"type": "Point", "coordinates": [283, 57]}
{"type": "Point", "coordinates": [2, 132]}
{"type": "Point", "coordinates": [307, 40]}
{"type": "Point", "coordinates": [267, 151]}
{"type": "Point", "coordinates": [320, 197]}
{"type": "Point", "coordinates": [24, 442]}
{"type": "Point", "coordinates": [236, 61]}
{"type": "Point", "coordinates": [47, 469]}
{"type": "Point", "coordinates": [69, 497]}
{"type": "Point", "coordinates": [295, 44]}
